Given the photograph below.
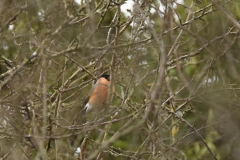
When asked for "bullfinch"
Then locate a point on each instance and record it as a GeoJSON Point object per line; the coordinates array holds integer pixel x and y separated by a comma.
{"type": "Point", "coordinates": [98, 95]}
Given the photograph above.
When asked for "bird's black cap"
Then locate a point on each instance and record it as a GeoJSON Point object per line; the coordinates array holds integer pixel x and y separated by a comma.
{"type": "Point", "coordinates": [106, 76]}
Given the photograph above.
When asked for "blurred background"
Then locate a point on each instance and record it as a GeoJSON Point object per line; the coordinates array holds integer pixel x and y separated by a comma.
{"type": "Point", "coordinates": [174, 65]}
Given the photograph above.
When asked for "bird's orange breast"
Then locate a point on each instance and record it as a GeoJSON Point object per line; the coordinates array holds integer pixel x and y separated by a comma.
{"type": "Point", "coordinates": [99, 94]}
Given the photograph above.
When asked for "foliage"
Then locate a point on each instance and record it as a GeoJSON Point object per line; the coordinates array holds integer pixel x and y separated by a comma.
{"type": "Point", "coordinates": [174, 65]}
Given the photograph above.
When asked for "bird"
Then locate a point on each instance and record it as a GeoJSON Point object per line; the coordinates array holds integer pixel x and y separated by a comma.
{"type": "Point", "coordinates": [96, 101]}
{"type": "Point", "coordinates": [98, 96]}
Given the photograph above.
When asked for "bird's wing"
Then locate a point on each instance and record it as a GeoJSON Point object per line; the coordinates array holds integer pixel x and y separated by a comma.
{"type": "Point", "coordinates": [85, 107]}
